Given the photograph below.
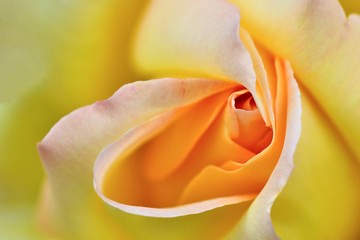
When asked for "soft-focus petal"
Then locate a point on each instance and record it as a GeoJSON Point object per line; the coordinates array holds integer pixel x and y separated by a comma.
{"type": "Point", "coordinates": [84, 45]}
{"type": "Point", "coordinates": [66, 44]}
{"type": "Point", "coordinates": [71, 147]}
{"type": "Point", "coordinates": [256, 224]}
{"type": "Point", "coordinates": [22, 58]}
{"type": "Point", "coordinates": [321, 199]}
{"type": "Point", "coordinates": [15, 224]}
{"type": "Point", "coordinates": [324, 51]}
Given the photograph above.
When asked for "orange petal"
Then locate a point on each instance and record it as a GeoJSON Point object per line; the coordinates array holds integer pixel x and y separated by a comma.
{"type": "Point", "coordinates": [128, 177]}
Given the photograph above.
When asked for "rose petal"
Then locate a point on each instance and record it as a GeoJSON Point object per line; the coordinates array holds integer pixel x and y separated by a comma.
{"type": "Point", "coordinates": [256, 224]}
{"type": "Point", "coordinates": [323, 48]}
{"type": "Point", "coordinates": [71, 147]}
{"type": "Point", "coordinates": [211, 47]}
{"type": "Point", "coordinates": [321, 198]}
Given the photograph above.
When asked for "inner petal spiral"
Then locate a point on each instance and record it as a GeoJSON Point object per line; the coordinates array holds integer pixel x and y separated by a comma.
{"type": "Point", "coordinates": [166, 170]}
{"type": "Point", "coordinates": [246, 125]}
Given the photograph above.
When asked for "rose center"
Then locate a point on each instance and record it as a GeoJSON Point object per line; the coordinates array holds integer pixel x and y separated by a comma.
{"type": "Point", "coordinates": [246, 125]}
{"type": "Point", "coordinates": [245, 101]}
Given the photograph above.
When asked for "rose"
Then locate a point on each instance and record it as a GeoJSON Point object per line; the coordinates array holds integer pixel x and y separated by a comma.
{"type": "Point", "coordinates": [325, 175]}
{"type": "Point", "coordinates": [73, 143]}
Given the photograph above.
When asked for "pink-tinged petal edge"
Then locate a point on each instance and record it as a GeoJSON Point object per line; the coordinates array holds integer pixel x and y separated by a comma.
{"type": "Point", "coordinates": [134, 136]}
{"type": "Point", "coordinates": [69, 150]}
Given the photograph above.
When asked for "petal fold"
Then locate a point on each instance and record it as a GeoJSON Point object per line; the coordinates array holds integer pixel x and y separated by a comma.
{"type": "Point", "coordinates": [323, 48]}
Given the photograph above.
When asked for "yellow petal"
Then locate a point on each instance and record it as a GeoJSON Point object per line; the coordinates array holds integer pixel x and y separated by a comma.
{"type": "Point", "coordinates": [323, 48]}
{"type": "Point", "coordinates": [321, 199]}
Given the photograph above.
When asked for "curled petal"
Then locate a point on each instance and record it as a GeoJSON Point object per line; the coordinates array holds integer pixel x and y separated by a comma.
{"type": "Point", "coordinates": [70, 148]}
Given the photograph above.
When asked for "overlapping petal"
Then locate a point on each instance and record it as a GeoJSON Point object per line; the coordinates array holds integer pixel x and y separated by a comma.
{"type": "Point", "coordinates": [146, 171]}
{"type": "Point", "coordinates": [323, 48]}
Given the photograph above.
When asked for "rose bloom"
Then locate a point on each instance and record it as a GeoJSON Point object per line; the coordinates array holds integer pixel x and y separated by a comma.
{"type": "Point", "coordinates": [245, 129]}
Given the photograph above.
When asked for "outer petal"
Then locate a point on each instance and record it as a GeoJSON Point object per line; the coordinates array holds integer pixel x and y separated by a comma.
{"type": "Point", "coordinates": [211, 47]}
{"type": "Point", "coordinates": [71, 147]}
{"type": "Point", "coordinates": [321, 199]}
{"type": "Point", "coordinates": [58, 55]}
{"type": "Point", "coordinates": [323, 48]}
{"type": "Point", "coordinates": [256, 224]}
